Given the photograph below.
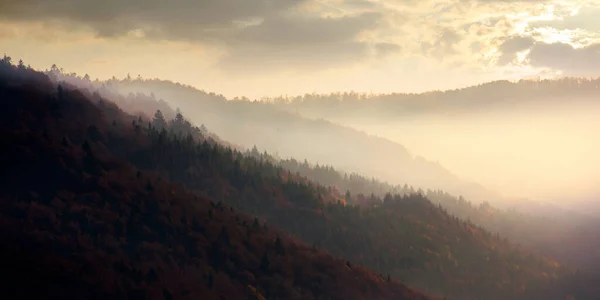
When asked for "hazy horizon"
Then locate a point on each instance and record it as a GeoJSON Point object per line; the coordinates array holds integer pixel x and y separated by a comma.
{"type": "Point", "coordinates": [301, 149]}
{"type": "Point", "coordinates": [473, 146]}
{"type": "Point", "coordinates": [295, 47]}
{"type": "Point", "coordinates": [258, 48]}
{"type": "Point", "coordinates": [545, 156]}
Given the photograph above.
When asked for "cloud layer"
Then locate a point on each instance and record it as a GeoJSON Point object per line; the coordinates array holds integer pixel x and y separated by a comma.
{"type": "Point", "coordinates": [307, 36]}
{"type": "Point", "coordinates": [252, 33]}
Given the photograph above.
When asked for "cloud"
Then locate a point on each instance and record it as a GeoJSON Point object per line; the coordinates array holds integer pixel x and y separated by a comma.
{"type": "Point", "coordinates": [238, 37]}
{"type": "Point", "coordinates": [252, 33]}
{"type": "Point", "coordinates": [443, 44]}
{"type": "Point", "coordinates": [587, 18]}
{"type": "Point", "coordinates": [6, 31]}
{"type": "Point", "coordinates": [513, 1]}
{"type": "Point", "coordinates": [583, 61]}
{"type": "Point", "coordinates": [194, 20]}
{"type": "Point", "coordinates": [558, 56]}
{"type": "Point", "coordinates": [298, 31]}
{"type": "Point", "coordinates": [304, 42]}
{"type": "Point", "coordinates": [511, 46]}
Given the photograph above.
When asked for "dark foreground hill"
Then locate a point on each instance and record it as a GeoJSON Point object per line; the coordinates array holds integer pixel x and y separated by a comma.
{"type": "Point", "coordinates": [79, 223]}
{"type": "Point", "coordinates": [406, 237]}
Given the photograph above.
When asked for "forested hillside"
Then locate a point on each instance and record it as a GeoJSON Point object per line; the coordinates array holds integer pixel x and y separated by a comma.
{"type": "Point", "coordinates": [247, 123]}
{"type": "Point", "coordinates": [403, 236]}
{"type": "Point", "coordinates": [388, 107]}
{"type": "Point", "coordinates": [509, 137]}
{"type": "Point", "coordinates": [567, 236]}
{"type": "Point", "coordinates": [548, 235]}
{"type": "Point", "coordinates": [80, 223]}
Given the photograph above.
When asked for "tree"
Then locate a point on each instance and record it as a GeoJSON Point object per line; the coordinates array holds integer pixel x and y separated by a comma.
{"type": "Point", "coordinates": [60, 92]}
{"type": "Point", "coordinates": [265, 263]}
{"type": "Point", "coordinates": [279, 248]}
{"type": "Point", "coordinates": [255, 224]}
{"type": "Point", "coordinates": [178, 116]}
{"type": "Point", "coordinates": [167, 294]}
{"type": "Point", "coordinates": [203, 129]}
{"type": "Point", "coordinates": [86, 147]}
{"type": "Point", "coordinates": [159, 121]}
{"type": "Point", "coordinates": [178, 125]}
{"type": "Point", "coordinates": [7, 59]}
{"type": "Point", "coordinates": [211, 280]}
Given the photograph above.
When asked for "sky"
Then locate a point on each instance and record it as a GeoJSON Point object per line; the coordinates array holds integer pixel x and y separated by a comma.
{"type": "Point", "coordinates": [258, 48]}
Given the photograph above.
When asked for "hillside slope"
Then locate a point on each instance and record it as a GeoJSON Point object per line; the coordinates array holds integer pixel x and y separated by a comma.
{"type": "Point", "coordinates": [565, 235]}
{"type": "Point", "coordinates": [406, 237]}
{"type": "Point", "coordinates": [79, 223]}
{"type": "Point", "coordinates": [290, 135]}
{"type": "Point", "coordinates": [482, 97]}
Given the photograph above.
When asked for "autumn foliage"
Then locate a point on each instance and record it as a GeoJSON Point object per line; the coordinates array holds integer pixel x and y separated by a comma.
{"type": "Point", "coordinates": [118, 205]}
{"type": "Point", "coordinates": [81, 223]}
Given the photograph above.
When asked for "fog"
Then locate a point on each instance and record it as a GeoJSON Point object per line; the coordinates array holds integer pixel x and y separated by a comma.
{"type": "Point", "coordinates": [288, 135]}
{"type": "Point", "coordinates": [541, 151]}
{"type": "Point", "coordinates": [501, 153]}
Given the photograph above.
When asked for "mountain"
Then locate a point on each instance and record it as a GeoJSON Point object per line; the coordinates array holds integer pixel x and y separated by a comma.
{"type": "Point", "coordinates": [407, 236]}
{"type": "Point", "coordinates": [542, 228]}
{"type": "Point", "coordinates": [527, 139]}
{"type": "Point", "coordinates": [247, 123]}
{"type": "Point", "coordinates": [482, 97]}
{"type": "Point", "coordinates": [81, 223]}
{"type": "Point", "coordinates": [565, 235]}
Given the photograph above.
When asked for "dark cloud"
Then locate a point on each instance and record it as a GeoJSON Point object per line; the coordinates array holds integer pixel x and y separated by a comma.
{"type": "Point", "coordinates": [253, 32]}
{"type": "Point", "coordinates": [318, 43]}
{"type": "Point", "coordinates": [363, 4]}
{"type": "Point", "coordinates": [302, 43]}
{"type": "Point", "coordinates": [512, 46]}
{"type": "Point", "coordinates": [572, 61]}
{"type": "Point", "coordinates": [190, 19]}
{"type": "Point", "coordinates": [301, 31]}
{"type": "Point", "coordinates": [510, 1]}
{"type": "Point", "coordinates": [584, 61]}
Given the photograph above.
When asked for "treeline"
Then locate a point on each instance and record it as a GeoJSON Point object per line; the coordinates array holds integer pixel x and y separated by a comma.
{"type": "Point", "coordinates": [405, 236]}
{"type": "Point", "coordinates": [80, 223]}
{"type": "Point", "coordinates": [246, 123]}
{"type": "Point", "coordinates": [546, 235]}
{"type": "Point", "coordinates": [389, 106]}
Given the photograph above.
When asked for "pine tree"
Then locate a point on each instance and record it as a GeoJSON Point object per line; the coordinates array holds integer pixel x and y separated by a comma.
{"type": "Point", "coordinates": [60, 92]}
{"type": "Point", "coordinates": [279, 248]}
{"type": "Point", "coordinates": [265, 263]}
{"type": "Point", "coordinates": [159, 121]}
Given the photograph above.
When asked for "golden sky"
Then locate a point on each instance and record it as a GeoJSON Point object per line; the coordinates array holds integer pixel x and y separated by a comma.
{"type": "Point", "coordinates": [260, 48]}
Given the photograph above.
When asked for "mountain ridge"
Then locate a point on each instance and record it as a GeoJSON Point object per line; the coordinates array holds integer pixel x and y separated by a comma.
{"type": "Point", "coordinates": [100, 228]}
{"type": "Point", "coordinates": [248, 123]}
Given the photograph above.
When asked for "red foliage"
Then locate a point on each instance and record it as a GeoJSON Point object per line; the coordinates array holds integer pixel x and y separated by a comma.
{"type": "Point", "coordinates": [80, 224]}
